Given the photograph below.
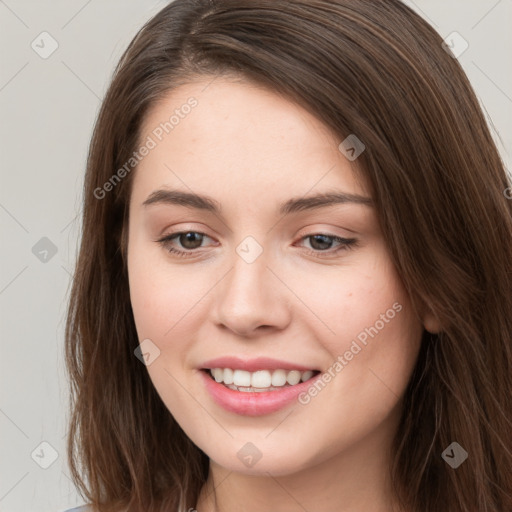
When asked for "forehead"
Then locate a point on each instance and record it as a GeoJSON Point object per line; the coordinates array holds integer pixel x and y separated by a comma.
{"type": "Point", "coordinates": [241, 137]}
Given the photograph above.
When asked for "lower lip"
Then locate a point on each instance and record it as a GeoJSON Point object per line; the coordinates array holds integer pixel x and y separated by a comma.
{"type": "Point", "coordinates": [253, 403]}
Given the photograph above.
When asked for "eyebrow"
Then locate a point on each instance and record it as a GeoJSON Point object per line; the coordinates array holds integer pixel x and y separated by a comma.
{"type": "Point", "coordinates": [201, 202]}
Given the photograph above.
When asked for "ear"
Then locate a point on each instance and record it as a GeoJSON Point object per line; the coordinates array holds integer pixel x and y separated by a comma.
{"type": "Point", "coordinates": [431, 323]}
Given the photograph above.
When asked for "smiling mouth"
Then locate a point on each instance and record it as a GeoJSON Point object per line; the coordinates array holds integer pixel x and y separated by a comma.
{"type": "Point", "coordinates": [259, 381]}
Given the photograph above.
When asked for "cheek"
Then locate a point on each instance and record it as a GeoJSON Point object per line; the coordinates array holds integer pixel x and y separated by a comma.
{"type": "Point", "coordinates": [163, 301]}
{"type": "Point", "coordinates": [368, 328]}
{"type": "Point", "coordinates": [163, 296]}
{"type": "Point", "coordinates": [353, 299]}
{"type": "Point", "coordinates": [371, 353]}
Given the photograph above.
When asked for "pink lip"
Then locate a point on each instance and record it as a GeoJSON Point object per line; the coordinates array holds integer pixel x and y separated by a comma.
{"type": "Point", "coordinates": [253, 404]}
{"type": "Point", "coordinates": [252, 365]}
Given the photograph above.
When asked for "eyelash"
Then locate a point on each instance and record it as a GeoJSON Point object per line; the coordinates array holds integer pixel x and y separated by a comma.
{"type": "Point", "coordinates": [346, 244]}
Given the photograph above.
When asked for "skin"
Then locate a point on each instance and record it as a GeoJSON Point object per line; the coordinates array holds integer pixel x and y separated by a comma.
{"type": "Point", "coordinates": [251, 149]}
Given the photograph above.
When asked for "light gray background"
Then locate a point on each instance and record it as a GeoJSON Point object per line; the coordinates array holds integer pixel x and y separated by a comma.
{"type": "Point", "coordinates": [47, 108]}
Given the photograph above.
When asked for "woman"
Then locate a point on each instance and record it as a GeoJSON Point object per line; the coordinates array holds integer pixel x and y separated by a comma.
{"type": "Point", "coordinates": [293, 287]}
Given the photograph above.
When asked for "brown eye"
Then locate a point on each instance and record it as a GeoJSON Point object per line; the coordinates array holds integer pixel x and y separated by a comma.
{"type": "Point", "coordinates": [190, 239]}
{"type": "Point", "coordinates": [188, 242]}
{"type": "Point", "coordinates": [321, 244]}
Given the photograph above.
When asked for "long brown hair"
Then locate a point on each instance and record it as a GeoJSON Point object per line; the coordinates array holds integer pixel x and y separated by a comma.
{"type": "Point", "coordinates": [371, 68]}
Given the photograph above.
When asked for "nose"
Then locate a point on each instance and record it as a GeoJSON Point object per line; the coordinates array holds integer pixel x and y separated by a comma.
{"type": "Point", "coordinates": [252, 299]}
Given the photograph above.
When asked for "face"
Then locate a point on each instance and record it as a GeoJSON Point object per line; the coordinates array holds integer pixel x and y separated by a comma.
{"type": "Point", "coordinates": [261, 286]}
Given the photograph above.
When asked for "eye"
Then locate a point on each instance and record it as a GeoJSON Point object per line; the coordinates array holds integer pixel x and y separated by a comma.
{"type": "Point", "coordinates": [321, 243]}
{"type": "Point", "coordinates": [189, 240]}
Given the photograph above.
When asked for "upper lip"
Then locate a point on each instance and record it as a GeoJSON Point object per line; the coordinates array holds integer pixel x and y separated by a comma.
{"type": "Point", "coordinates": [252, 365]}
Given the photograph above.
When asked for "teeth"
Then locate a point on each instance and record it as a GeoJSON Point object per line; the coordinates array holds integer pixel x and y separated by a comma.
{"type": "Point", "coordinates": [228, 375]}
{"type": "Point", "coordinates": [293, 377]}
{"type": "Point", "coordinates": [306, 376]}
{"type": "Point", "coordinates": [261, 380]}
{"type": "Point", "coordinates": [250, 389]}
{"type": "Point", "coordinates": [240, 377]}
{"type": "Point", "coordinates": [279, 377]}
